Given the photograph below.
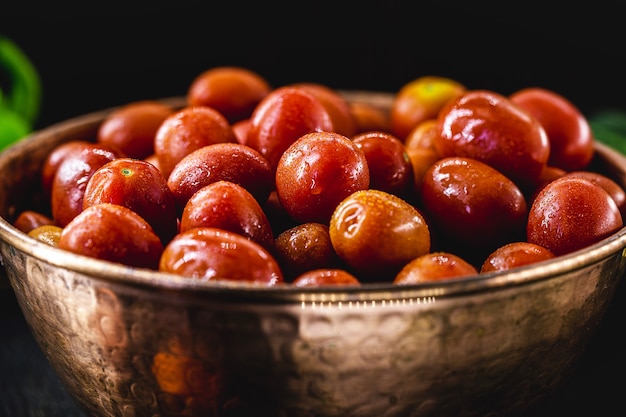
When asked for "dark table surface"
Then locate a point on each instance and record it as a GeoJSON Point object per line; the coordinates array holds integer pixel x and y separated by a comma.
{"type": "Point", "coordinates": [30, 388]}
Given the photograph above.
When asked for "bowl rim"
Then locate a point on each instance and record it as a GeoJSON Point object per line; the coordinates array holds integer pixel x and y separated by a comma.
{"type": "Point", "coordinates": [139, 277]}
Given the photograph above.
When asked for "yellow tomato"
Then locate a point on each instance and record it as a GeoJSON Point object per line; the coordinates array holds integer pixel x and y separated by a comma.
{"type": "Point", "coordinates": [421, 99]}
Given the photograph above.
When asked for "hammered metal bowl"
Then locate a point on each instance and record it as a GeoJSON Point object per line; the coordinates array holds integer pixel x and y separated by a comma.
{"type": "Point", "coordinates": [131, 342]}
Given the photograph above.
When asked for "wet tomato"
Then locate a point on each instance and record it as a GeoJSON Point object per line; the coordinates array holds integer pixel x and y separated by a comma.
{"type": "Point", "coordinates": [283, 116]}
{"type": "Point", "coordinates": [487, 126]}
{"type": "Point", "coordinates": [71, 177]}
{"type": "Point", "coordinates": [472, 205]}
{"type": "Point", "coordinates": [515, 254]}
{"type": "Point", "coordinates": [228, 206]}
{"type": "Point", "coordinates": [232, 91]}
{"type": "Point", "coordinates": [305, 247]}
{"type": "Point", "coordinates": [28, 220]}
{"type": "Point", "coordinates": [185, 131]}
{"type": "Point", "coordinates": [336, 105]}
{"type": "Point", "coordinates": [141, 187]}
{"type": "Point", "coordinates": [377, 233]}
{"type": "Point", "coordinates": [616, 191]}
{"type": "Point", "coordinates": [571, 213]}
{"type": "Point", "coordinates": [419, 100]}
{"type": "Point", "coordinates": [232, 162]}
{"type": "Point", "coordinates": [113, 233]}
{"type": "Point", "coordinates": [322, 277]}
{"type": "Point", "coordinates": [434, 266]}
{"type": "Point", "coordinates": [388, 162]}
{"type": "Point", "coordinates": [47, 233]}
{"type": "Point", "coordinates": [132, 127]}
{"type": "Point", "coordinates": [316, 172]}
{"type": "Point", "coordinates": [208, 253]}
{"type": "Point", "coordinates": [569, 132]}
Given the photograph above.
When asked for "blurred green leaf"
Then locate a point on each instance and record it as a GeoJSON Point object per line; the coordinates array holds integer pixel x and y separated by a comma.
{"type": "Point", "coordinates": [609, 127]}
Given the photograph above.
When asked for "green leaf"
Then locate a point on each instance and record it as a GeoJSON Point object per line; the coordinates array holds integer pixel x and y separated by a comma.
{"type": "Point", "coordinates": [609, 127]}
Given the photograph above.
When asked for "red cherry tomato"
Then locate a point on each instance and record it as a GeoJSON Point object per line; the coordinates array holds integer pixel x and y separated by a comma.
{"type": "Point", "coordinates": [487, 126]}
{"type": "Point", "coordinates": [569, 133]}
{"type": "Point", "coordinates": [282, 117]}
{"type": "Point", "coordinates": [571, 213]}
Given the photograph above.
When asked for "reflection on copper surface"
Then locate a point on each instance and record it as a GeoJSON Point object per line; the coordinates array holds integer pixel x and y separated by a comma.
{"type": "Point", "coordinates": [340, 304]}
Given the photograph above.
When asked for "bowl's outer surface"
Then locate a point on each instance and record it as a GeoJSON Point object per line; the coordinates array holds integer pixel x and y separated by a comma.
{"type": "Point", "coordinates": [129, 342]}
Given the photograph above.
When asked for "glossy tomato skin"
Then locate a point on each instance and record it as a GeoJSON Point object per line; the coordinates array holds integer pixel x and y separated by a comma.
{"type": "Point", "coordinates": [421, 99]}
{"type": "Point", "coordinates": [113, 233]}
{"type": "Point", "coordinates": [514, 255]}
{"type": "Point", "coordinates": [318, 171]}
{"type": "Point", "coordinates": [208, 253]}
{"type": "Point", "coordinates": [228, 206]}
{"type": "Point", "coordinates": [47, 233]}
{"type": "Point", "coordinates": [336, 105]}
{"type": "Point", "coordinates": [388, 162]}
{"type": "Point", "coordinates": [569, 133]}
{"type": "Point", "coordinates": [54, 159]}
{"type": "Point", "coordinates": [232, 91]}
{"type": "Point", "coordinates": [616, 191]}
{"type": "Point", "coordinates": [283, 116]}
{"type": "Point", "coordinates": [376, 233]}
{"type": "Point", "coordinates": [368, 117]}
{"type": "Point", "coordinates": [189, 129]}
{"type": "Point", "coordinates": [71, 178]}
{"type": "Point", "coordinates": [487, 126]}
{"type": "Point", "coordinates": [472, 206]}
{"type": "Point", "coordinates": [138, 185]}
{"type": "Point", "coordinates": [571, 213]}
{"type": "Point", "coordinates": [434, 266]}
{"type": "Point", "coordinates": [131, 128]}
{"type": "Point", "coordinates": [305, 247]}
{"type": "Point", "coordinates": [28, 220]}
{"type": "Point", "coordinates": [232, 162]}
{"type": "Point", "coordinates": [321, 277]}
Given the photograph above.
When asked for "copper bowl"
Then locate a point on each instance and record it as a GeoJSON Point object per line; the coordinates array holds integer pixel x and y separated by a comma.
{"type": "Point", "coordinates": [132, 342]}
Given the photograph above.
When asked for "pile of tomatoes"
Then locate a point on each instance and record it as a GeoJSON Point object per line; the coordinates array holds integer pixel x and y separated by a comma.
{"type": "Point", "coordinates": [297, 185]}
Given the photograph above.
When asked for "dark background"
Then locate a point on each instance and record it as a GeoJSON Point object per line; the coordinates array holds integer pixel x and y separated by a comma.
{"type": "Point", "coordinates": [106, 53]}
{"type": "Point", "coordinates": [101, 55]}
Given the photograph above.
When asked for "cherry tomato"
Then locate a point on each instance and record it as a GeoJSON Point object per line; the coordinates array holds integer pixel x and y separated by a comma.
{"type": "Point", "coordinates": [571, 213]}
{"type": "Point", "coordinates": [368, 117]}
{"type": "Point", "coordinates": [569, 132]}
{"type": "Point", "coordinates": [434, 266]}
{"type": "Point", "coordinates": [187, 130]}
{"type": "Point", "coordinates": [141, 187]}
{"type": "Point", "coordinates": [377, 233]}
{"type": "Point", "coordinates": [318, 171]}
{"type": "Point", "coordinates": [232, 91]}
{"type": "Point", "coordinates": [616, 191]}
{"type": "Point", "coordinates": [472, 205]}
{"type": "Point", "coordinates": [47, 233]}
{"type": "Point", "coordinates": [228, 206]}
{"type": "Point", "coordinates": [321, 277]}
{"type": "Point", "coordinates": [283, 116]}
{"type": "Point", "coordinates": [232, 162]}
{"type": "Point", "coordinates": [132, 127]}
{"type": "Point", "coordinates": [337, 107]}
{"type": "Point", "coordinates": [305, 247]}
{"type": "Point", "coordinates": [209, 253]}
{"type": "Point", "coordinates": [487, 126]}
{"type": "Point", "coordinates": [71, 178]}
{"type": "Point", "coordinates": [388, 162]}
{"type": "Point", "coordinates": [419, 100]}
{"type": "Point", "coordinates": [113, 233]}
{"type": "Point", "coordinates": [54, 159]}
{"type": "Point", "coordinates": [28, 220]}
{"type": "Point", "coordinates": [514, 255]}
